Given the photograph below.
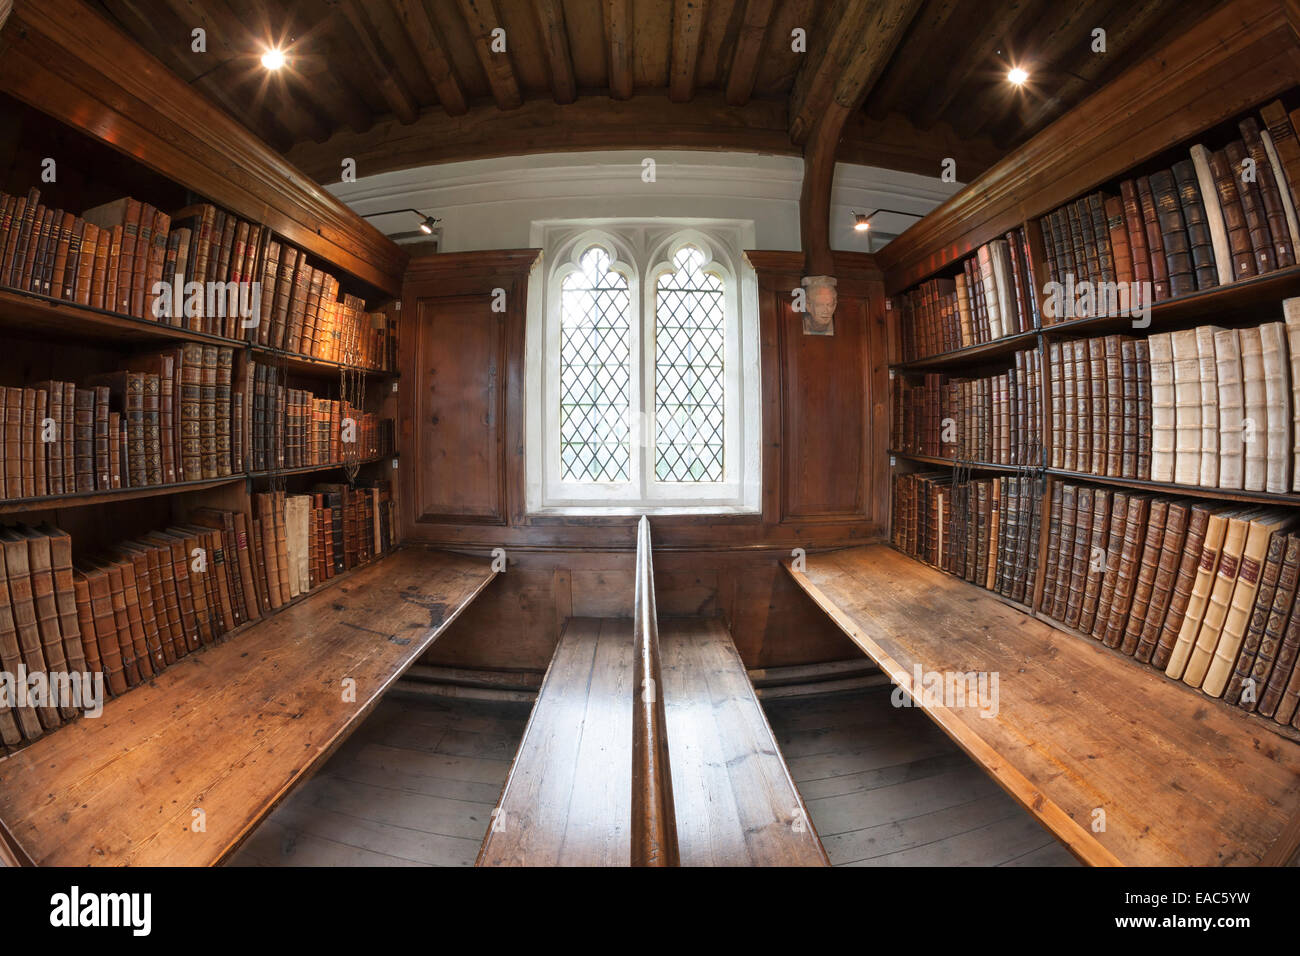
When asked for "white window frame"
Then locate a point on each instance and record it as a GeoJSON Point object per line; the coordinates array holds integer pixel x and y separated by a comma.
{"type": "Point", "coordinates": [642, 251]}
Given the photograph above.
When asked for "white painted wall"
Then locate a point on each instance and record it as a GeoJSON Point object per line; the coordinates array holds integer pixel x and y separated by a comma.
{"type": "Point", "coordinates": [492, 203]}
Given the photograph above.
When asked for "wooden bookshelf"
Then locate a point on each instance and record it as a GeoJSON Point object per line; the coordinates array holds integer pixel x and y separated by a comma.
{"type": "Point", "coordinates": [1285, 499]}
{"type": "Point", "coordinates": [12, 506]}
{"type": "Point", "coordinates": [961, 463]}
{"type": "Point", "coordinates": [972, 354]}
{"type": "Point", "coordinates": [309, 469]}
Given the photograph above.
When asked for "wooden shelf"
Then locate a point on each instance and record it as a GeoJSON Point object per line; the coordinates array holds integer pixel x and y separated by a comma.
{"type": "Point", "coordinates": [972, 354]}
{"type": "Point", "coordinates": [308, 469]}
{"type": "Point", "coordinates": [40, 315]}
{"type": "Point", "coordinates": [976, 465]}
{"type": "Point", "coordinates": [50, 502]}
{"type": "Point", "coordinates": [306, 365]}
{"type": "Point", "coordinates": [1288, 499]}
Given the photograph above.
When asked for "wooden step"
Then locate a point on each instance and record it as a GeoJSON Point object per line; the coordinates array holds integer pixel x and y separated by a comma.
{"type": "Point", "coordinates": [230, 729]}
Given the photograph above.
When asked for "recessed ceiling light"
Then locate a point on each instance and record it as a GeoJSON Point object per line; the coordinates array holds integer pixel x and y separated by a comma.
{"type": "Point", "coordinates": [273, 59]}
{"type": "Point", "coordinates": [1017, 76]}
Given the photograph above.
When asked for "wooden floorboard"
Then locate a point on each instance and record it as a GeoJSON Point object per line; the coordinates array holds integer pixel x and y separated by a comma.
{"type": "Point", "coordinates": [1182, 780]}
{"type": "Point", "coordinates": [231, 729]}
{"type": "Point", "coordinates": [885, 788]}
{"type": "Point", "coordinates": [390, 796]}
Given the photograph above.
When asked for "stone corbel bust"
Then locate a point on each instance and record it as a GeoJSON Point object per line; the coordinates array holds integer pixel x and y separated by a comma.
{"type": "Point", "coordinates": [820, 300]}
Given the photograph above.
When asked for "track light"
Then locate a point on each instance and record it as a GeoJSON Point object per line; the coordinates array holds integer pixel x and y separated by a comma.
{"type": "Point", "coordinates": [427, 222]}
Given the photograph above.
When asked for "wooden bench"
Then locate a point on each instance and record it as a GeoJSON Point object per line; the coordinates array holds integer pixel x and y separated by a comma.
{"type": "Point", "coordinates": [587, 788]}
{"type": "Point", "coordinates": [229, 730]}
{"type": "Point", "coordinates": [1181, 779]}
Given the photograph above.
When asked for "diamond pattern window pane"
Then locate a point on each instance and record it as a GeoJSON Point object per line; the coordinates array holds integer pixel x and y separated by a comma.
{"type": "Point", "coordinates": [690, 332]}
{"type": "Point", "coordinates": [595, 372]}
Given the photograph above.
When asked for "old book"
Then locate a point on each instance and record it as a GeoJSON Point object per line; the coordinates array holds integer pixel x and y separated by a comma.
{"type": "Point", "coordinates": [1291, 317]}
{"type": "Point", "coordinates": [107, 636]}
{"type": "Point", "coordinates": [1283, 135]}
{"type": "Point", "coordinates": [1232, 409]}
{"type": "Point", "coordinates": [20, 646]}
{"type": "Point", "coordinates": [1080, 538]}
{"type": "Point", "coordinates": [1275, 212]}
{"type": "Point", "coordinates": [35, 643]}
{"type": "Point", "coordinates": [1252, 203]}
{"type": "Point", "coordinates": [1081, 412]}
{"type": "Point", "coordinates": [1277, 394]}
{"type": "Point", "coordinates": [1220, 597]}
{"type": "Point", "coordinates": [1173, 233]}
{"type": "Point", "coordinates": [1255, 422]}
{"type": "Point", "coordinates": [1187, 400]}
{"type": "Point", "coordinates": [1110, 562]}
{"type": "Point", "coordinates": [1163, 578]}
{"type": "Point", "coordinates": [1096, 371]}
{"type": "Point", "coordinates": [1146, 572]}
{"type": "Point", "coordinates": [1241, 683]}
{"type": "Point", "coordinates": [1135, 525]}
{"type": "Point", "coordinates": [1099, 536]}
{"type": "Point", "coordinates": [1163, 405]}
{"type": "Point", "coordinates": [1199, 596]}
{"type": "Point", "coordinates": [1257, 671]}
{"type": "Point", "coordinates": [1234, 216]}
{"type": "Point", "coordinates": [40, 564]}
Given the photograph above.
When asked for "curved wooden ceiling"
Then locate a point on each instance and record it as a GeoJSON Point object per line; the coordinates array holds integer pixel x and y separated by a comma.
{"type": "Point", "coordinates": [400, 83]}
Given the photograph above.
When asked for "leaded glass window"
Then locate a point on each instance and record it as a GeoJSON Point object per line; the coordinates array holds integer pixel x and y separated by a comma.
{"type": "Point", "coordinates": [690, 392]}
{"type": "Point", "coordinates": [595, 372]}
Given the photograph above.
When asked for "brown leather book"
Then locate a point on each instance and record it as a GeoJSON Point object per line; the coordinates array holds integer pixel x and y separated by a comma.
{"type": "Point", "coordinates": [1080, 538]}
{"type": "Point", "coordinates": [1074, 234]}
{"type": "Point", "coordinates": [1129, 391]}
{"type": "Point", "coordinates": [1155, 242]}
{"type": "Point", "coordinates": [124, 571]}
{"type": "Point", "coordinates": [281, 546]}
{"type": "Point", "coordinates": [1081, 414]}
{"type": "Point", "coordinates": [1220, 562]}
{"type": "Point", "coordinates": [44, 601]}
{"type": "Point", "coordinates": [32, 643]}
{"type": "Point", "coordinates": [1113, 348]}
{"type": "Point", "coordinates": [27, 411]}
{"type": "Point", "coordinates": [1173, 233]}
{"type": "Point", "coordinates": [20, 219]}
{"type": "Point", "coordinates": [1162, 578]}
{"type": "Point", "coordinates": [129, 639]}
{"type": "Point", "coordinates": [1278, 697]}
{"type": "Point", "coordinates": [208, 412]}
{"type": "Point", "coordinates": [1184, 583]}
{"type": "Point", "coordinates": [1269, 194]}
{"type": "Point", "coordinates": [1269, 579]}
{"type": "Point", "coordinates": [1099, 536]}
{"type": "Point", "coordinates": [1234, 215]}
{"type": "Point", "coordinates": [143, 604]}
{"type": "Point", "coordinates": [1286, 144]}
{"type": "Point", "coordinates": [86, 623]}
{"type": "Point", "coordinates": [100, 292]}
{"type": "Point", "coordinates": [1143, 587]}
{"type": "Point", "coordinates": [61, 249]}
{"type": "Point", "coordinates": [270, 550]}
{"type": "Point", "coordinates": [1114, 553]}
{"type": "Point", "coordinates": [59, 544]}
{"type": "Point", "coordinates": [162, 583]}
{"type": "Point", "coordinates": [13, 655]}
{"type": "Point", "coordinates": [1070, 431]}
{"type": "Point", "coordinates": [1143, 422]}
{"type": "Point", "coordinates": [298, 305]}
{"type": "Point", "coordinates": [1199, 233]}
{"type": "Point", "coordinates": [107, 638]}
{"type": "Point", "coordinates": [223, 372]}
{"type": "Point", "coordinates": [82, 277]}
{"type": "Point", "coordinates": [1135, 527]}
{"type": "Point", "coordinates": [1252, 203]}
{"type": "Point", "coordinates": [179, 560]}
{"type": "Point", "coordinates": [49, 453]}
{"type": "Point", "coordinates": [37, 445]}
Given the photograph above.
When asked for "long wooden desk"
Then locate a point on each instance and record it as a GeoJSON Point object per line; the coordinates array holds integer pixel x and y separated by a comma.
{"type": "Point", "coordinates": [180, 770]}
{"type": "Point", "coordinates": [1124, 766]}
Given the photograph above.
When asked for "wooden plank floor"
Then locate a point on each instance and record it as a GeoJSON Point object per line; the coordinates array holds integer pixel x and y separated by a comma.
{"type": "Point", "coordinates": [414, 786]}
{"type": "Point", "coordinates": [229, 730]}
{"type": "Point", "coordinates": [885, 787]}
{"type": "Point", "coordinates": [568, 799]}
{"type": "Point", "coordinates": [1181, 779]}
{"type": "Point", "coordinates": [735, 802]}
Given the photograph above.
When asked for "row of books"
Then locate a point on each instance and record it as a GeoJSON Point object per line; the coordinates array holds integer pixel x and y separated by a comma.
{"type": "Point", "coordinates": [994, 419]}
{"type": "Point", "coordinates": [110, 257]}
{"type": "Point", "coordinates": [993, 296]}
{"type": "Point", "coordinates": [984, 530]}
{"type": "Point", "coordinates": [1213, 218]}
{"type": "Point", "coordinates": [292, 427]}
{"type": "Point", "coordinates": [1208, 407]}
{"type": "Point", "coordinates": [1205, 592]}
{"type": "Point", "coordinates": [147, 602]}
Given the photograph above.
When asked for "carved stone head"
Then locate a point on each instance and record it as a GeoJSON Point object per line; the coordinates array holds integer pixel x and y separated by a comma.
{"type": "Point", "coordinates": [821, 299]}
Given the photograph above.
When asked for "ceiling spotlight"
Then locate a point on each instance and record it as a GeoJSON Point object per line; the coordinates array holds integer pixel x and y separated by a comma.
{"type": "Point", "coordinates": [273, 59]}
{"type": "Point", "coordinates": [426, 227]}
{"type": "Point", "coordinates": [1017, 76]}
{"type": "Point", "coordinates": [427, 222]}
{"type": "Point", "coordinates": [861, 222]}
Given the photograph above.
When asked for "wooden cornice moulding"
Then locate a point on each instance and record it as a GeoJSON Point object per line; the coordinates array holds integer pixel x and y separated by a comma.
{"type": "Point", "coordinates": [513, 263]}
{"type": "Point", "coordinates": [67, 60]}
{"type": "Point", "coordinates": [848, 265]}
{"type": "Point", "coordinates": [1237, 57]}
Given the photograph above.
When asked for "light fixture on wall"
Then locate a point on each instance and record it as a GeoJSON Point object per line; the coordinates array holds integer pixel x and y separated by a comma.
{"type": "Point", "coordinates": [862, 220]}
{"type": "Point", "coordinates": [426, 222]}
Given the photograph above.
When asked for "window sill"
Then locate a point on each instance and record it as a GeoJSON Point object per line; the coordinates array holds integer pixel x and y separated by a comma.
{"type": "Point", "coordinates": [635, 511]}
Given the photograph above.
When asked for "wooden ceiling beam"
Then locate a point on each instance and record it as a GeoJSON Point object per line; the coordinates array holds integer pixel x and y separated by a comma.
{"type": "Point", "coordinates": [905, 72]}
{"type": "Point", "coordinates": [388, 80]}
{"type": "Point", "coordinates": [433, 55]}
{"type": "Point", "coordinates": [688, 24]}
{"type": "Point", "coordinates": [555, 37]}
{"type": "Point", "coordinates": [749, 47]}
{"type": "Point", "coordinates": [857, 66]}
{"type": "Point", "coordinates": [482, 18]}
{"type": "Point", "coordinates": [618, 44]}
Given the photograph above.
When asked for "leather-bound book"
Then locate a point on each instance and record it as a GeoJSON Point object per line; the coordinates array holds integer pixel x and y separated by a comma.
{"type": "Point", "coordinates": [60, 249]}
{"type": "Point", "coordinates": [1056, 387]}
{"type": "Point", "coordinates": [1277, 397]}
{"type": "Point", "coordinates": [1227, 643]}
{"type": "Point", "coordinates": [83, 443]}
{"type": "Point", "coordinates": [1111, 561]}
{"type": "Point", "coordinates": [107, 636]}
{"type": "Point", "coordinates": [142, 605]}
{"type": "Point", "coordinates": [1155, 241]}
{"type": "Point", "coordinates": [84, 276]}
{"type": "Point", "coordinates": [1220, 597]}
{"type": "Point", "coordinates": [1231, 409]}
{"type": "Point", "coordinates": [1162, 579]}
{"type": "Point", "coordinates": [1113, 348]}
{"type": "Point", "coordinates": [9, 240]}
{"type": "Point", "coordinates": [988, 569]}
{"type": "Point", "coordinates": [1234, 215]}
{"type": "Point", "coordinates": [963, 312]}
{"type": "Point", "coordinates": [1144, 584]}
{"type": "Point", "coordinates": [1189, 621]}
{"type": "Point", "coordinates": [1129, 386]}
{"type": "Point", "coordinates": [130, 640]}
{"type": "Point", "coordinates": [159, 415]}
{"type": "Point", "coordinates": [1081, 413]}
{"type": "Point", "coordinates": [222, 372]}
{"type": "Point", "coordinates": [1255, 423]}
{"type": "Point", "coordinates": [15, 653]}
{"type": "Point", "coordinates": [1286, 144]}
{"type": "Point", "coordinates": [86, 623]}
{"type": "Point", "coordinates": [1074, 237]}
{"type": "Point", "coordinates": [177, 560]}
{"type": "Point", "coordinates": [126, 396]}
{"type": "Point", "coordinates": [50, 452]}
{"type": "Point", "coordinates": [59, 545]}
{"type": "Point", "coordinates": [1060, 228]}
{"type": "Point", "coordinates": [1080, 537]}
{"type": "Point", "coordinates": [992, 299]}
{"type": "Point", "coordinates": [167, 612]}
{"type": "Point", "coordinates": [99, 285]}
{"type": "Point", "coordinates": [270, 551]}
{"type": "Point", "coordinates": [298, 304]}
{"type": "Point", "coordinates": [1270, 196]}
{"type": "Point", "coordinates": [1096, 203]}
{"type": "Point", "coordinates": [1272, 647]}
{"type": "Point", "coordinates": [27, 415]}
{"type": "Point", "coordinates": [281, 544]}
{"type": "Point", "coordinates": [270, 289]}
{"type": "Point", "coordinates": [1173, 233]}
{"type": "Point", "coordinates": [208, 412]}
{"type": "Point", "coordinates": [124, 571]}
{"type": "Point", "coordinates": [37, 446]}
{"type": "Point", "coordinates": [1122, 255]}
{"type": "Point", "coordinates": [1070, 428]}
{"type": "Point", "coordinates": [1099, 535]}
{"type": "Point", "coordinates": [43, 598]}
{"type": "Point", "coordinates": [1187, 399]}
{"type": "Point", "coordinates": [1199, 237]}
{"type": "Point", "coordinates": [1163, 404]}
{"type": "Point", "coordinates": [1291, 315]}
{"type": "Point", "coordinates": [1252, 203]}
{"type": "Point", "coordinates": [104, 439]}
{"type": "Point", "coordinates": [1273, 700]}
{"type": "Point", "coordinates": [1020, 281]}
{"type": "Point", "coordinates": [1055, 273]}
{"type": "Point", "coordinates": [1259, 616]}
{"type": "Point", "coordinates": [221, 606]}
{"type": "Point", "coordinates": [254, 591]}
{"type": "Point", "coordinates": [274, 335]}
{"type": "Point", "coordinates": [22, 594]}
{"type": "Point", "coordinates": [1142, 361]}
{"type": "Point", "coordinates": [1207, 362]}
{"type": "Point", "coordinates": [1135, 525]}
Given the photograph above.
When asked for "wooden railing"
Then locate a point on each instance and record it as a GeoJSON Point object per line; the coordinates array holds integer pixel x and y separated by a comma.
{"type": "Point", "coordinates": [654, 824]}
